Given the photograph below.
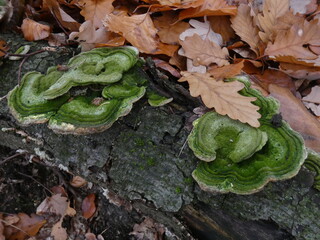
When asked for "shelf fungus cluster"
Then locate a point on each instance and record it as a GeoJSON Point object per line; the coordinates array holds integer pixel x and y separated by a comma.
{"type": "Point", "coordinates": [241, 159]}
{"type": "Point", "coordinates": [113, 81]}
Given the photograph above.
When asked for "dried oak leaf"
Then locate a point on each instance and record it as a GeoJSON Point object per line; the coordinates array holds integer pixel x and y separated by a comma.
{"type": "Point", "coordinates": [96, 10]}
{"type": "Point", "coordinates": [222, 25]}
{"type": "Point", "coordinates": [58, 205]}
{"type": "Point", "coordinates": [204, 52]}
{"type": "Point", "coordinates": [300, 72]}
{"type": "Point", "coordinates": [303, 7]}
{"type": "Point", "coordinates": [65, 19]}
{"type": "Point", "coordinates": [293, 41]}
{"type": "Point", "coordinates": [226, 71]}
{"type": "Point", "coordinates": [223, 97]}
{"type": "Point", "coordinates": [89, 37]}
{"type": "Point", "coordinates": [209, 8]}
{"type": "Point", "coordinates": [88, 206]}
{"type": "Point", "coordinates": [137, 29]}
{"type": "Point", "coordinates": [274, 76]}
{"type": "Point", "coordinates": [249, 33]}
{"type": "Point", "coordinates": [148, 229]}
{"type": "Point", "coordinates": [25, 227]}
{"type": "Point", "coordinates": [169, 31]}
{"type": "Point", "coordinates": [272, 10]}
{"type": "Point", "coordinates": [299, 118]}
{"type": "Point", "coordinates": [33, 31]}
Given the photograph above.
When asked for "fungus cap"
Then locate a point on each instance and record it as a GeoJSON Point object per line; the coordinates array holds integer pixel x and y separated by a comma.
{"type": "Point", "coordinates": [98, 66]}
{"type": "Point", "coordinates": [279, 158]}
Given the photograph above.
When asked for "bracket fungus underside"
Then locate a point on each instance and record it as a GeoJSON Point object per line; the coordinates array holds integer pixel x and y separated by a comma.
{"type": "Point", "coordinates": [239, 158]}
{"type": "Point", "coordinates": [113, 78]}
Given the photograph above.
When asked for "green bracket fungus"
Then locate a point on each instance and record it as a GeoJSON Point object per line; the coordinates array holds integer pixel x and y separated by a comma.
{"type": "Point", "coordinates": [82, 115]}
{"type": "Point", "coordinates": [26, 102]}
{"type": "Point", "coordinates": [313, 163]}
{"type": "Point", "coordinates": [98, 66]}
{"type": "Point", "coordinates": [118, 81]}
{"type": "Point", "coordinates": [236, 140]}
{"type": "Point", "coordinates": [241, 159]}
{"type": "Point", "coordinates": [155, 100]}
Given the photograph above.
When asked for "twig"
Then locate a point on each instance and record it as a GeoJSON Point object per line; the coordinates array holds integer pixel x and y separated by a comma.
{"type": "Point", "coordinates": [60, 25]}
{"type": "Point", "coordinates": [11, 157]}
{"type": "Point", "coordinates": [8, 224]}
{"type": "Point", "coordinates": [183, 146]}
{"type": "Point", "coordinates": [4, 97]}
{"type": "Point", "coordinates": [35, 181]}
{"type": "Point", "coordinates": [20, 69]}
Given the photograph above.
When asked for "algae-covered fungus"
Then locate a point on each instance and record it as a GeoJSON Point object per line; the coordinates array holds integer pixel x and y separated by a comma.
{"type": "Point", "coordinates": [46, 97]}
{"type": "Point", "coordinates": [26, 102]}
{"type": "Point", "coordinates": [98, 66]}
{"type": "Point", "coordinates": [242, 159]}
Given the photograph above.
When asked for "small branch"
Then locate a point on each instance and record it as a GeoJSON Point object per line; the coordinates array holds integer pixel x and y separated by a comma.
{"type": "Point", "coordinates": [60, 25]}
{"type": "Point", "coordinates": [25, 57]}
{"type": "Point", "coordinates": [20, 69]}
{"type": "Point", "coordinates": [4, 97]}
{"type": "Point", "coordinates": [11, 157]}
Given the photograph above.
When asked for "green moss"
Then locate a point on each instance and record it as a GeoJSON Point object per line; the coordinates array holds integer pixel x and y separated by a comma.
{"type": "Point", "coordinates": [178, 190]}
{"type": "Point", "coordinates": [151, 161]}
{"type": "Point", "coordinates": [139, 142]}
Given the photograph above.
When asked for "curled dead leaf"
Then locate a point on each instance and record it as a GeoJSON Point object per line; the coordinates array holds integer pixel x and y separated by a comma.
{"type": "Point", "coordinates": [78, 182]}
{"type": "Point", "coordinates": [33, 31]}
{"type": "Point", "coordinates": [88, 206]}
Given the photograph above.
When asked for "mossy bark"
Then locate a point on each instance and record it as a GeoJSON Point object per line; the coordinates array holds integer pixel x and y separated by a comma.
{"type": "Point", "coordinates": [143, 158]}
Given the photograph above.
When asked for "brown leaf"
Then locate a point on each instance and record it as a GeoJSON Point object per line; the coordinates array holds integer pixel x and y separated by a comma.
{"type": "Point", "coordinates": [33, 31]}
{"type": "Point", "coordinates": [78, 182]}
{"type": "Point", "coordinates": [274, 76]}
{"type": "Point", "coordinates": [89, 37]}
{"type": "Point", "coordinates": [58, 205]}
{"type": "Point", "coordinates": [4, 47]}
{"type": "Point", "coordinates": [303, 7]}
{"type": "Point", "coordinates": [88, 206]}
{"type": "Point", "coordinates": [314, 96]}
{"type": "Point", "coordinates": [204, 52]}
{"type": "Point", "coordinates": [2, 237]}
{"type": "Point", "coordinates": [249, 34]}
{"type": "Point", "coordinates": [148, 229]}
{"type": "Point", "coordinates": [167, 67]}
{"type": "Point", "coordinates": [96, 10]}
{"type": "Point", "coordinates": [272, 10]}
{"type": "Point", "coordinates": [292, 42]}
{"type": "Point", "coordinates": [226, 71]}
{"type": "Point", "coordinates": [137, 29]}
{"type": "Point", "coordinates": [169, 31]}
{"type": "Point", "coordinates": [223, 97]}
{"type": "Point", "coordinates": [299, 118]}
{"type": "Point", "coordinates": [65, 19]}
{"type": "Point", "coordinates": [26, 226]}
{"type": "Point", "coordinates": [222, 25]}
{"type": "Point", "coordinates": [209, 8]}
{"type": "Point", "coordinates": [300, 71]}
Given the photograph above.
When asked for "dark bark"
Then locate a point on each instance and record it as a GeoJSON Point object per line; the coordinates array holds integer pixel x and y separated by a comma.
{"type": "Point", "coordinates": [145, 164]}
